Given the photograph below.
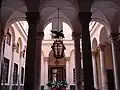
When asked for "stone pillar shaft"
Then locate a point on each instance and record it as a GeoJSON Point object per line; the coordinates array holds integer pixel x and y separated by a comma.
{"type": "Point", "coordinates": [95, 70]}
{"type": "Point", "coordinates": [33, 54]}
{"type": "Point", "coordinates": [38, 60]}
{"type": "Point", "coordinates": [68, 71]}
{"type": "Point", "coordinates": [116, 58]}
{"type": "Point", "coordinates": [46, 72]}
{"type": "Point", "coordinates": [19, 77]}
{"type": "Point", "coordinates": [103, 69]}
{"type": "Point", "coordinates": [84, 19]}
{"type": "Point", "coordinates": [12, 66]}
{"type": "Point", "coordinates": [77, 61]}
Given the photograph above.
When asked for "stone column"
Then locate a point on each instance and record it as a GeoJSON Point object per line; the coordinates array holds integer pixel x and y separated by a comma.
{"type": "Point", "coordinates": [33, 54]}
{"type": "Point", "coordinates": [2, 41]}
{"type": "Point", "coordinates": [46, 72]}
{"type": "Point", "coordinates": [2, 63]}
{"type": "Point", "coordinates": [84, 19]}
{"type": "Point", "coordinates": [39, 38]}
{"type": "Point", "coordinates": [2, 48]}
{"type": "Point", "coordinates": [12, 66]}
{"type": "Point", "coordinates": [68, 71]}
{"type": "Point", "coordinates": [76, 37]}
{"type": "Point", "coordinates": [19, 77]}
{"type": "Point", "coordinates": [103, 69]}
{"type": "Point", "coordinates": [115, 42]}
{"type": "Point", "coordinates": [95, 70]}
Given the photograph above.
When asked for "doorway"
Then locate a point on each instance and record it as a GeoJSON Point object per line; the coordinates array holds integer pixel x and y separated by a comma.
{"type": "Point", "coordinates": [56, 73]}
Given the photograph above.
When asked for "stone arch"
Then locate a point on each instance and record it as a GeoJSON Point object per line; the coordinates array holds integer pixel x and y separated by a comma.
{"type": "Point", "coordinates": [103, 37]}
{"type": "Point", "coordinates": [12, 10]}
{"type": "Point", "coordinates": [68, 35]}
{"type": "Point", "coordinates": [94, 44]}
{"type": "Point", "coordinates": [54, 16]}
{"type": "Point", "coordinates": [105, 24]}
{"type": "Point", "coordinates": [102, 10]}
{"type": "Point", "coordinates": [12, 21]}
{"type": "Point", "coordinates": [67, 8]}
{"type": "Point", "coordinates": [115, 22]}
{"type": "Point", "coordinates": [51, 55]}
{"type": "Point", "coordinates": [47, 31]}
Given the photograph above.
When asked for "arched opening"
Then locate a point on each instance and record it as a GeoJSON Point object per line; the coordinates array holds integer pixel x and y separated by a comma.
{"type": "Point", "coordinates": [67, 31]}
{"type": "Point", "coordinates": [108, 62]}
{"type": "Point", "coordinates": [56, 68]}
{"type": "Point", "coordinates": [17, 35]}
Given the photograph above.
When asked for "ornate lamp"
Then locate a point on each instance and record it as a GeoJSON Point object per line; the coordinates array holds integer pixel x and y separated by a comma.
{"type": "Point", "coordinates": [58, 46]}
{"type": "Point", "coordinates": [58, 49]}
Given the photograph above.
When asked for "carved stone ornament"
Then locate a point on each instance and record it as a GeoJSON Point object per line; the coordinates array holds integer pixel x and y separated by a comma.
{"type": "Point", "coordinates": [14, 47]}
{"type": "Point", "coordinates": [21, 54]}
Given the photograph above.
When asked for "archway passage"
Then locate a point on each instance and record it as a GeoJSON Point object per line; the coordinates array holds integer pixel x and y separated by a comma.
{"type": "Point", "coordinates": [56, 68]}
{"type": "Point", "coordinates": [38, 15]}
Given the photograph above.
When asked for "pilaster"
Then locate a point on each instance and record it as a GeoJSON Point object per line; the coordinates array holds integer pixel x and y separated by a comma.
{"type": "Point", "coordinates": [95, 73]}
{"type": "Point", "coordinates": [103, 68]}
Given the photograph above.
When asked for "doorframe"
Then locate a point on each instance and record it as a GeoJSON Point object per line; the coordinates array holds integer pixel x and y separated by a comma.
{"type": "Point", "coordinates": [50, 67]}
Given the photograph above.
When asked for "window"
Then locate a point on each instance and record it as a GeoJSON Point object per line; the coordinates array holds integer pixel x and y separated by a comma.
{"type": "Point", "coordinates": [8, 38]}
{"type": "Point", "coordinates": [15, 74]}
{"type": "Point", "coordinates": [17, 48]}
{"type": "Point", "coordinates": [5, 70]}
{"type": "Point", "coordinates": [22, 75]}
{"type": "Point", "coordinates": [74, 76]}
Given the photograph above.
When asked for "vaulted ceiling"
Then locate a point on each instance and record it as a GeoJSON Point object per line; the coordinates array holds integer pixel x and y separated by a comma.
{"type": "Point", "coordinates": [103, 11]}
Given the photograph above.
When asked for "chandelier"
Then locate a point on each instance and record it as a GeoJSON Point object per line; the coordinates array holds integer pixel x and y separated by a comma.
{"type": "Point", "coordinates": [58, 46]}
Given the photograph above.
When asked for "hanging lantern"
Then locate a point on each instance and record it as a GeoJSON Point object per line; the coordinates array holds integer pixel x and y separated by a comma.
{"type": "Point", "coordinates": [58, 49]}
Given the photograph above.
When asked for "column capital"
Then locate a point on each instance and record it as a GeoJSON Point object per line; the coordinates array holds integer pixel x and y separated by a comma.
{"type": "Point", "coordinates": [21, 54]}
{"type": "Point", "coordinates": [76, 35]}
{"type": "Point", "coordinates": [14, 46]}
{"type": "Point", "coordinates": [94, 52]}
{"type": "Point", "coordinates": [114, 36]}
{"type": "Point", "coordinates": [46, 59]}
{"type": "Point", "coordinates": [102, 46]}
{"type": "Point", "coordinates": [3, 37]}
{"type": "Point", "coordinates": [32, 17]}
{"type": "Point", "coordinates": [67, 58]}
{"type": "Point", "coordinates": [84, 17]}
{"type": "Point", "coordinates": [40, 35]}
